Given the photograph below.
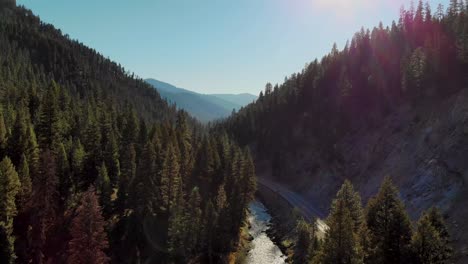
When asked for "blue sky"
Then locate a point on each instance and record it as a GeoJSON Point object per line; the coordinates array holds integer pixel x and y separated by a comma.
{"type": "Point", "coordinates": [215, 46]}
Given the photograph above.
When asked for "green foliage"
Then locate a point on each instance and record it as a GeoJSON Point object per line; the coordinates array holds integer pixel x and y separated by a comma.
{"type": "Point", "coordinates": [63, 171]}
{"type": "Point", "coordinates": [419, 58]}
{"type": "Point", "coordinates": [48, 126]}
{"type": "Point", "coordinates": [128, 172]}
{"type": "Point", "coordinates": [389, 226]}
{"type": "Point", "coordinates": [9, 187]}
{"type": "Point", "coordinates": [341, 244]}
{"type": "Point", "coordinates": [430, 242]}
{"type": "Point", "coordinates": [307, 242]}
{"type": "Point", "coordinates": [25, 179]}
{"type": "Point", "coordinates": [104, 189]}
{"type": "Point", "coordinates": [3, 135]}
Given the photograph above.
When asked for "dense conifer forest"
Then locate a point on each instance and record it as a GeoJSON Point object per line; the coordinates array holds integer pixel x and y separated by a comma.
{"type": "Point", "coordinates": [380, 233]}
{"type": "Point", "coordinates": [418, 61]}
{"type": "Point", "coordinates": [421, 57]}
{"type": "Point", "coordinates": [97, 168]}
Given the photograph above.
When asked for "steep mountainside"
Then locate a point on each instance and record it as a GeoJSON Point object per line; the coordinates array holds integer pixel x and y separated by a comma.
{"type": "Point", "coordinates": [239, 99]}
{"type": "Point", "coordinates": [391, 103]}
{"type": "Point", "coordinates": [96, 167]}
{"type": "Point", "coordinates": [205, 107]}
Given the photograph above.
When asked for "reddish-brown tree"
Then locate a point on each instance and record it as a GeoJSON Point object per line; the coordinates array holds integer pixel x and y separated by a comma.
{"type": "Point", "coordinates": [89, 239]}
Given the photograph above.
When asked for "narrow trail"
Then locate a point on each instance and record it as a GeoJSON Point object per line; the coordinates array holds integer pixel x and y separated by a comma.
{"type": "Point", "coordinates": [308, 210]}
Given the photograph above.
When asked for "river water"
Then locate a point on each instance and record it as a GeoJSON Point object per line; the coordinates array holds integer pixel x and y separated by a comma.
{"type": "Point", "coordinates": [263, 251]}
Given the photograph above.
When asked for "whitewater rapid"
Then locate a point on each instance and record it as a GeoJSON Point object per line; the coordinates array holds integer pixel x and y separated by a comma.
{"type": "Point", "coordinates": [263, 251]}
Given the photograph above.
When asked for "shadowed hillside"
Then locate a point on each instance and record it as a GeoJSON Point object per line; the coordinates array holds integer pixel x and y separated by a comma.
{"type": "Point", "coordinates": [391, 103]}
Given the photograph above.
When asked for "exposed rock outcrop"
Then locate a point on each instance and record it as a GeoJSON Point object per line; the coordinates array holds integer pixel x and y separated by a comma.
{"type": "Point", "coordinates": [424, 149]}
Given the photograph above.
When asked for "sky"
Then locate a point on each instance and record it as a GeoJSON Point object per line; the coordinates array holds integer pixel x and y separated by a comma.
{"type": "Point", "coordinates": [215, 46]}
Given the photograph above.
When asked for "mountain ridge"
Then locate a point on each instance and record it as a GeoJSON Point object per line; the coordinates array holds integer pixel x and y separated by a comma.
{"type": "Point", "coordinates": [205, 107]}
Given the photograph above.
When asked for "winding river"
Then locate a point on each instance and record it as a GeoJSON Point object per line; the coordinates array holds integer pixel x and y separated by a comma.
{"type": "Point", "coordinates": [263, 251]}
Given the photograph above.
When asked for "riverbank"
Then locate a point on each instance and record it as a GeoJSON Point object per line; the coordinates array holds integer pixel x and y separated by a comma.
{"type": "Point", "coordinates": [244, 246]}
{"type": "Point", "coordinates": [283, 220]}
{"type": "Point", "coordinates": [263, 249]}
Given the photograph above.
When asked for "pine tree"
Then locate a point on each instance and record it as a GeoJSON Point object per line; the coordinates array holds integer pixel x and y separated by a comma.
{"type": "Point", "coordinates": [184, 137]}
{"type": "Point", "coordinates": [104, 189]}
{"type": "Point", "coordinates": [127, 175]}
{"type": "Point", "coordinates": [389, 226]}
{"type": "Point", "coordinates": [210, 220]}
{"type": "Point", "coordinates": [426, 243]}
{"type": "Point", "coordinates": [307, 242]}
{"type": "Point", "coordinates": [193, 221]}
{"type": "Point", "coordinates": [352, 201]}
{"type": "Point", "coordinates": [48, 127]}
{"type": "Point", "coordinates": [7, 253]}
{"type": "Point", "coordinates": [17, 142]}
{"type": "Point", "coordinates": [170, 179]}
{"type": "Point", "coordinates": [3, 136]}
{"type": "Point", "coordinates": [130, 131]}
{"type": "Point", "coordinates": [77, 163]}
{"type": "Point", "coordinates": [63, 173]}
{"type": "Point", "coordinates": [144, 193]}
{"type": "Point", "coordinates": [111, 157]}
{"type": "Point", "coordinates": [32, 151]}
{"type": "Point", "coordinates": [341, 243]}
{"type": "Point", "coordinates": [431, 242]}
{"type": "Point", "coordinates": [249, 182]}
{"type": "Point", "coordinates": [43, 205]}
{"type": "Point", "coordinates": [176, 234]}
{"type": "Point", "coordinates": [88, 237]}
{"type": "Point", "coordinates": [9, 187]}
{"type": "Point", "coordinates": [25, 179]}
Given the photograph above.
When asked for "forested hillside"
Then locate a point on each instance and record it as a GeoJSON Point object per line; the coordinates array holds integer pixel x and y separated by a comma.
{"type": "Point", "coordinates": [96, 167]}
{"type": "Point", "coordinates": [390, 103]}
{"type": "Point", "coordinates": [424, 55]}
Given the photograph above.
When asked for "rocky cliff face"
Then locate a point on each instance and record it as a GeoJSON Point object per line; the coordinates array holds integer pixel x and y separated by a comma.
{"type": "Point", "coordinates": [425, 151]}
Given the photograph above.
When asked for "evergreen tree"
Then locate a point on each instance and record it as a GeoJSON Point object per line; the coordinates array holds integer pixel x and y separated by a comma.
{"type": "Point", "coordinates": [210, 219]}
{"type": "Point", "coordinates": [427, 244]}
{"type": "Point", "coordinates": [17, 142]}
{"type": "Point", "coordinates": [111, 157]}
{"type": "Point", "coordinates": [389, 226]}
{"type": "Point", "coordinates": [249, 181]}
{"type": "Point", "coordinates": [104, 189]}
{"type": "Point", "coordinates": [43, 205]}
{"type": "Point", "coordinates": [194, 221]}
{"type": "Point", "coordinates": [170, 179]}
{"type": "Point", "coordinates": [9, 187]}
{"type": "Point", "coordinates": [77, 163]}
{"type": "Point", "coordinates": [63, 173]}
{"type": "Point", "coordinates": [25, 179]}
{"type": "Point", "coordinates": [48, 127]}
{"type": "Point", "coordinates": [88, 237]}
{"type": "Point", "coordinates": [32, 151]}
{"type": "Point", "coordinates": [7, 253]}
{"type": "Point", "coordinates": [307, 242]}
{"type": "Point", "coordinates": [184, 136]}
{"type": "Point", "coordinates": [176, 229]}
{"type": "Point", "coordinates": [127, 176]}
{"type": "Point", "coordinates": [341, 243]}
{"type": "Point", "coordinates": [3, 135]}
{"type": "Point", "coordinates": [144, 192]}
{"type": "Point", "coordinates": [430, 242]}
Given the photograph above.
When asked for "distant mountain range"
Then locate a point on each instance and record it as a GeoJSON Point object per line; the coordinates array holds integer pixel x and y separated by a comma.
{"type": "Point", "coordinates": [205, 107]}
